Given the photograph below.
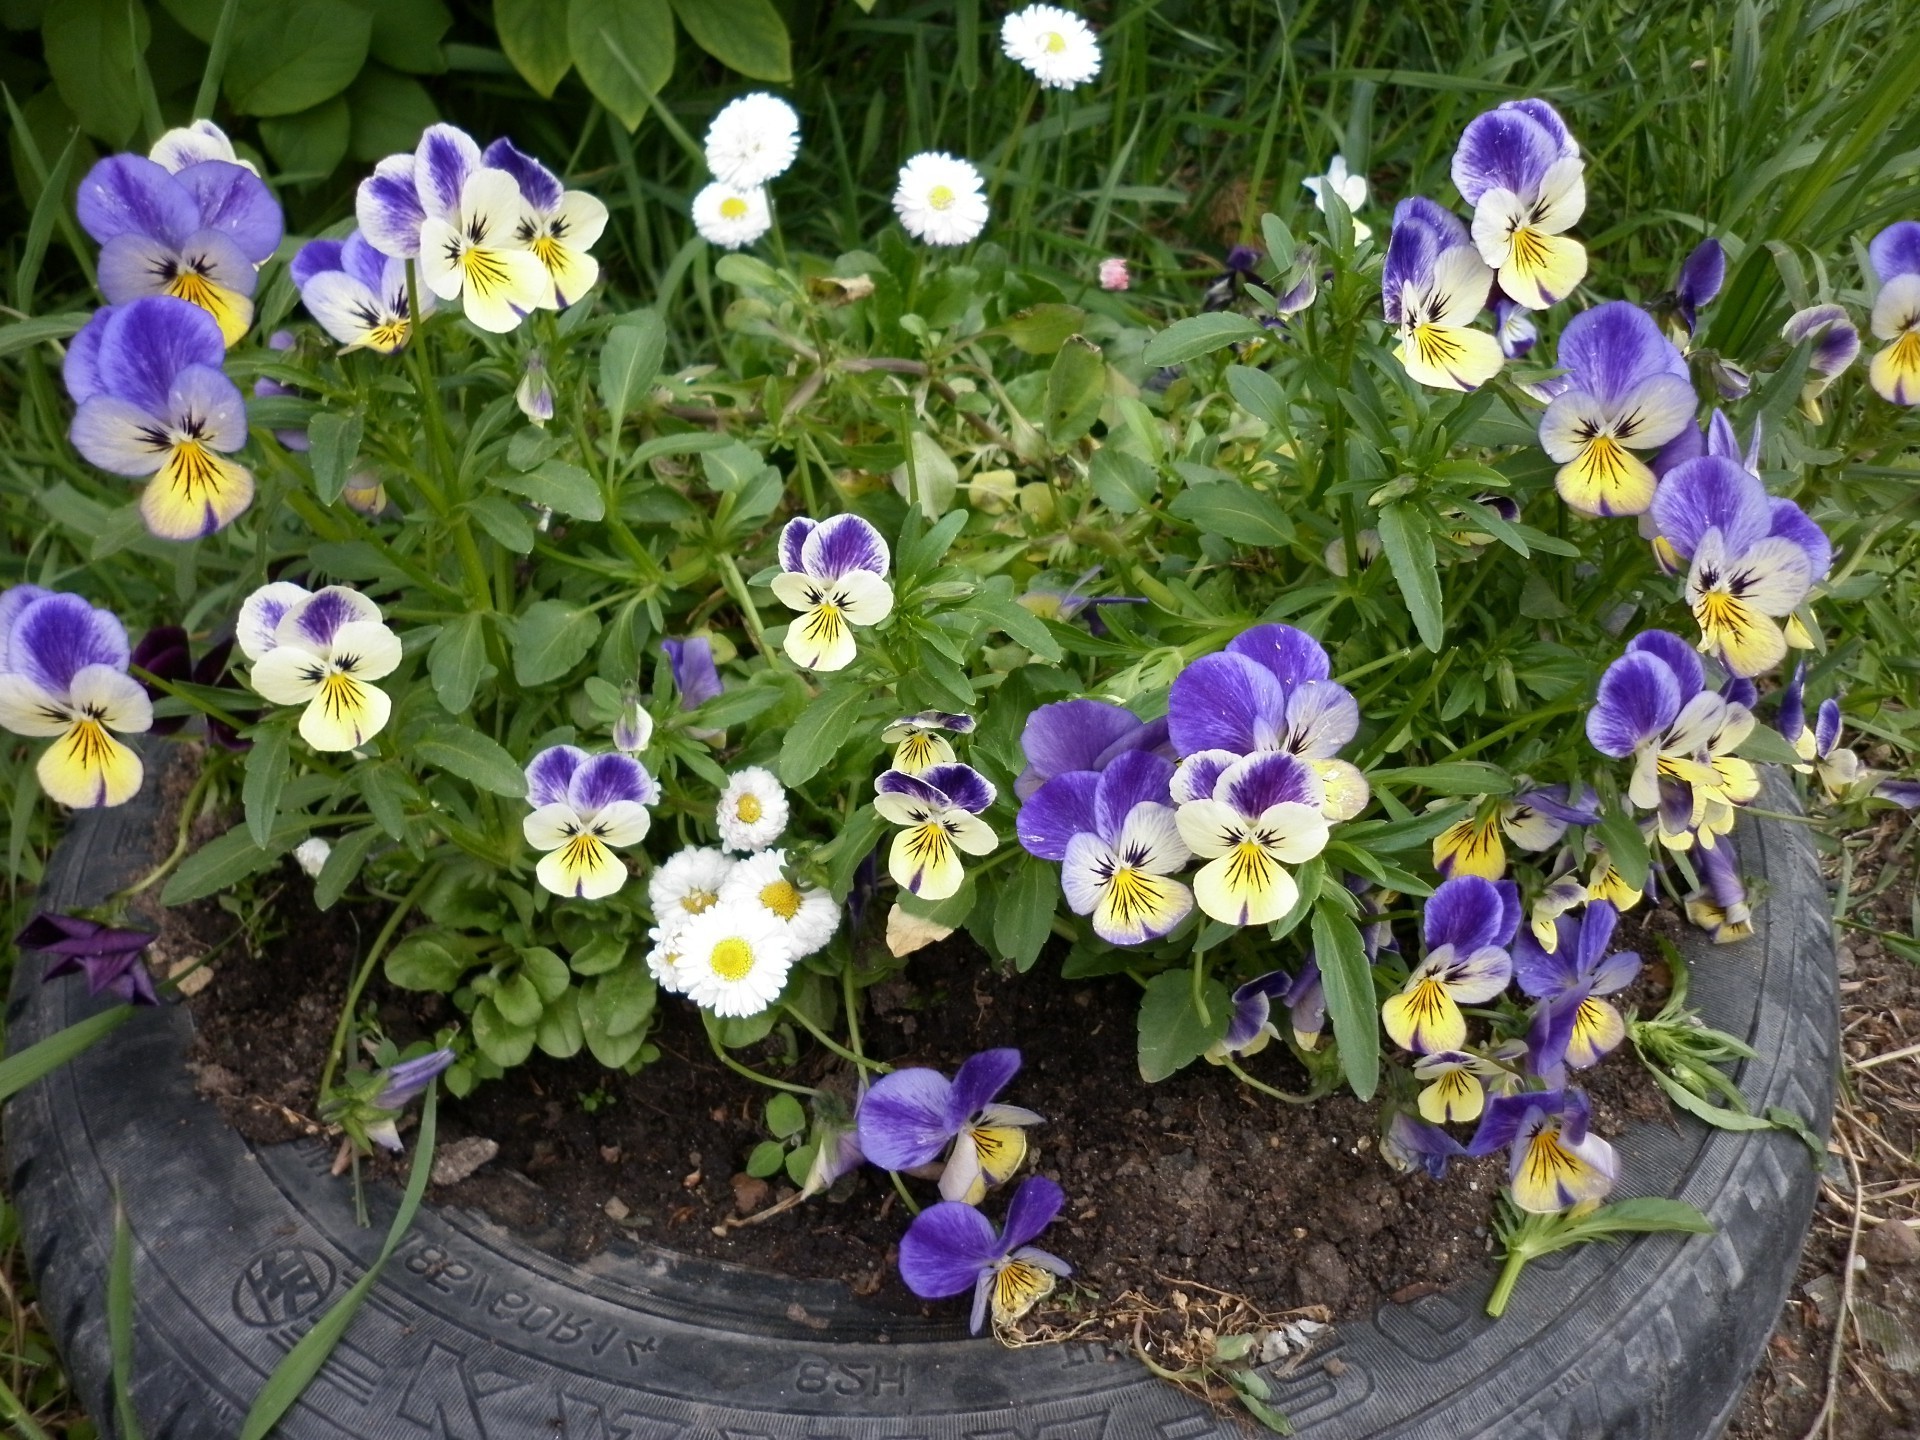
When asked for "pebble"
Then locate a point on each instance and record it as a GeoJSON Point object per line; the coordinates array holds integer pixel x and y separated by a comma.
{"type": "Point", "coordinates": [455, 1161]}
{"type": "Point", "coordinates": [1893, 1243]}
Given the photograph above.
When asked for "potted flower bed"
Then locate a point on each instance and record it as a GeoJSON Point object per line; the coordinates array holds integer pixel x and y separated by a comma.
{"type": "Point", "coordinates": [1335, 714]}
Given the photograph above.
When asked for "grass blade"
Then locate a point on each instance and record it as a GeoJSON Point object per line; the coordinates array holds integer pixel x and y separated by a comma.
{"type": "Point", "coordinates": [210, 78]}
{"type": "Point", "coordinates": [120, 1321]}
{"type": "Point", "coordinates": [19, 1071]}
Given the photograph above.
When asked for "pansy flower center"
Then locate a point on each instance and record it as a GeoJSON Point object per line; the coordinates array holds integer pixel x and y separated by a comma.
{"type": "Point", "coordinates": [1017, 1287]}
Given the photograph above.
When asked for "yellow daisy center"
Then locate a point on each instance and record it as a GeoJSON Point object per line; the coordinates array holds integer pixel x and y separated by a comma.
{"type": "Point", "coordinates": [695, 901]}
{"type": "Point", "coordinates": [749, 809]}
{"type": "Point", "coordinates": [941, 197]}
{"type": "Point", "coordinates": [733, 208]}
{"type": "Point", "coordinates": [732, 959]}
{"type": "Point", "coordinates": [1055, 42]}
{"type": "Point", "coordinates": [782, 898]}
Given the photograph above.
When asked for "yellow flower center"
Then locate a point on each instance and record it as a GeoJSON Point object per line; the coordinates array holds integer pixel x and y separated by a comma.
{"type": "Point", "coordinates": [732, 959]}
{"type": "Point", "coordinates": [733, 208]}
{"type": "Point", "coordinates": [695, 901]}
{"type": "Point", "coordinates": [782, 898]}
{"type": "Point", "coordinates": [748, 808]}
{"type": "Point", "coordinates": [941, 197]}
{"type": "Point", "coordinates": [1055, 42]}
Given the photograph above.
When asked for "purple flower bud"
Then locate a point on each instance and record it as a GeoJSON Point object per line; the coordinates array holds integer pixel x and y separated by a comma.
{"type": "Point", "coordinates": [1701, 276]}
{"type": "Point", "coordinates": [409, 1078]}
{"type": "Point", "coordinates": [109, 958]}
{"type": "Point", "coordinates": [694, 675]}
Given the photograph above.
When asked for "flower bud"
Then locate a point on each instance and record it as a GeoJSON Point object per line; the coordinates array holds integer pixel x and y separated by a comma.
{"type": "Point", "coordinates": [535, 393]}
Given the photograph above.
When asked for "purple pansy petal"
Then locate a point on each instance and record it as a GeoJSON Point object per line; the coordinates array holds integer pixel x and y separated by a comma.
{"type": "Point", "coordinates": [539, 186]}
{"type": "Point", "coordinates": [444, 158]}
{"type": "Point", "coordinates": [1554, 801]}
{"type": "Point", "coordinates": [1895, 251]}
{"type": "Point", "coordinates": [1836, 344]}
{"type": "Point", "coordinates": [914, 787]}
{"type": "Point", "coordinates": [1687, 445]}
{"type": "Point", "coordinates": [600, 780]}
{"type": "Point", "coordinates": [694, 674]}
{"type": "Point", "coordinates": [135, 265]}
{"type": "Point", "coordinates": [841, 545]}
{"type": "Point", "coordinates": [979, 1079]}
{"type": "Point", "coordinates": [55, 636]}
{"type": "Point", "coordinates": [1321, 717]}
{"type": "Point", "coordinates": [1791, 719]}
{"type": "Point", "coordinates": [1676, 805]}
{"type": "Point", "coordinates": [550, 773]}
{"type": "Point", "coordinates": [1721, 439]}
{"type": "Point", "coordinates": [1468, 913]}
{"type": "Point", "coordinates": [387, 207]}
{"type": "Point", "coordinates": [1611, 349]}
{"type": "Point", "coordinates": [1638, 698]}
{"type": "Point", "coordinates": [1252, 1007]}
{"type": "Point", "coordinates": [1506, 1115]}
{"type": "Point", "coordinates": [1542, 975]}
{"type": "Point", "coordinates": [81, 369]}
{"type": "Point", "coordinates": [906, 1118]}
{"type": "Point", "coordinates": [1702, 274]}
{"type": "Point", "coordinates": [1035, 1205]}
{"type": "Point", "coordinates": [793, 542]}
{"type": "Point", "coordinates": [1617, 971]}
{"type": "Point", "coordinates": [1677, 655]}
{"type": "Point", "coordinates": [1259, 782]}
{"type": "Point", "coordinates": [316, 257]}
{"type": "Point", "coordinates": [1147, 735]}
{"type": "Point", "coordinates": [1790, 522]}
{"type": "Point", "coordinates": [1548, 119]}
{"type": "Point", "coordinates": [320, 618]}
{"type": "Point", "coordinates": [1411, 1142]}
{"type": "Point", "coordinates": [1135, 778]}
{"type": "Point", "coordinates": [359, 259]}
{"type": "Point", "coordinates": [1224, 702]}
{"type": "Point", "coordinates": [1508, 148]}
{"type": "Point", "coordinates": [130, 195]}
{"type": "Point", "coordinates": [1293, 656]}
{"type": "Point", "coordinates": [1707, 493]}
{"type": "Point", "coordinates": [962, 785]}
{"type": "Point", "coordinates": [1069, 735]}
{"type": "Point", "coordinates": [1198, 776]}
{"type": "Point", "coordinates": [236, 202]}
{"type": "Point", "coordinates": [947, 1250]}
{"type": "Point", "coordinates": [1307, 1000]}
{"type": "Point", "coordinates": [410, 1077]}
{"type": "Point", "coordinates": [1904, 793]}
{"type": "Point", "coordinates": [1422, 232]}
{"type": "Point", "coordinates": [1740, 690]}
{"type": "Point", "coordinates": [148, 342]}
{"type": "Point", "coordinates": [1550, 1031]}
{"type": "Point", "coordinates": [1059, 810]}
{"type": "Point", "coordinates": [1597, 924]}
{"type": "Point", "coordinates": [1826, 727]}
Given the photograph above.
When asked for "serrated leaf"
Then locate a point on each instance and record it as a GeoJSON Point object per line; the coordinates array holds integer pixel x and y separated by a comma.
{"type": "Point", "coordinates": [1173, 1033]}
{"type": "Point", "coordinates": [1197, 335]}
{"type": "Point", "coordinates": [1350, 1000]}
{"type": "Point", "coordinates": [1409, 546]}
{"type": "Point", "coordinates": [822, 730]}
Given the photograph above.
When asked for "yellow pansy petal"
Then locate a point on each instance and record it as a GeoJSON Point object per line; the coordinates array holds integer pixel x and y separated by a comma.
{"type": "Point", "coordinates": [1455, 1096]}
{"type": "Point", "coordinates": [1895, 371]}
{"type": "Point", "coordinates": [925, 861]}
{"type": "Point", "coordinates": [87, 767]}
{"type": "Point", "coordinates": [1749, 642]}
{"type": "Point", "coordinates": [1137, 903]}
{"type": "Point", "coordinates": [194, 493]}
{"type": "Point", "coordinates": [1450, 357]}
{"type": "Point", "coordinates": [821, 639]}
{"type": "Point", "coordinates": [920, 751]}
{"type": "Point", "coordinates": [1001, 1149]}
{"type": "Point", "coordinates": [1597, 1029]}
{"type": "Point", "coordinates": [344, 713]}
{"type": "Point", "coordinates": [229, 308]}
{"type": "Point", "coordinates": [1551, 1177]}
{"type": "Point", "coordinates": [1542, 269]}
{"type": "Point", "coordinates": [584, 868]}
{"type": "Point", "coordinates": [1471, 847]}
{"type": "Point", "coordinates": [499, 287]}
{"type": "Point", "coordinates": [1017, 1289]}
{"type": "Point", "coordinates": [1245, 886]}
{"type": "Point", "coordinates": [1606, 478]}
{"type": "Point", "coordinates": [1424, 1017]}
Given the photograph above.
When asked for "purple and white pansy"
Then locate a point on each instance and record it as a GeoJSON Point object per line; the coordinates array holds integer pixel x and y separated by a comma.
{"type": "Point", "coordinates": [1520, 169]}
{"type": "Point", "coordinates": [1069, 735]}
{"type": "Point", "coordinates": [1895, 370]}
{"type": "Point", "coordinates": [1432, 289]}
{"type": "Point", "coordinates": [834, 572]}
{"type": "Point", "coordinates": [920, 741]}
{"type": "Point", "coordinates": [358, 295]}
{"type": "Point", "coordinates": [1469, 922]}
{"type": "Point", "coordinates": [109, 957]}
{"type": "Point", "coordinates": [63, 677]}
{"type": "Point", "coordinates": [1554, 1162]}
{"type": "Point", "coordinates": [584, 808]}
{"type": "Point", "coordinates": [560, 226]}
{"type": "Point", "coordinates": [910, 1117]}
{"type": "Point", "coordinates": [1573, 1022]}
{"type": "Point", "coordinates": [1836, 345]}
{"type": "Point", "coordinates": [1627, 390]}
{"type": "Point", "coordinates": [1702, 274]}
{"type": "Point", "coordinates": [939, 812]}
{"type": "Point", "coordinates": [1263, 814]}
{"type": "Point", "coordinates": [321, 650]}
{"type": "Point", "coordinates": [951, 1248]}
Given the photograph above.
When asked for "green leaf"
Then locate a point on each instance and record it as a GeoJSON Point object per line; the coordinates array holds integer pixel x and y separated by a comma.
{"type": "Point", "coordinates": [560, 1033]}
{"type": "Point", "coordinates": [1409, 546]}
{"type": "Point", "coordinates": [1768, 746]}
{"type": "Point", "coordinates": [563, 488]}
{"type": "Point", "coordinates": [290, 56]}
{"type": "Point", "coordinates": [93, 49]}
{"type": "Point", "coordinates": [747, 36]}
{"type": "Point", "coordinates": [765, 1159]}
{"type": "Point", "coordinates": [518, 1002]}
{"type": "Point", "coordinates": [1018, 623]}
{"type": "Point", "coordinates": [500, 1040]}
{"type": "Point", "coordinates": [623, 999]}
{"type": "Point", "coordinates": [457, 662]}
{"type": "Point", "coordinates": [311, 142]}
{"type": "Point", "coordinates": [407, 35]}
{"type": "Point", "coordinates": [45, 1056]}
{"type": "Point", "coordinates": [509, 524]}
{"type": "Point", "coordinates": [336, 445]}
{"type": "Point", "coordinates": [1626, 846]}
{"type": "Point", "coordinates": [550, 638]}
{"type": "Point", "coordinates": [824, 727]}
{"type": "Point", "coordinates": [1123, 482]}
{"type": "Point", "coordinates": [534, 35]}
{"type": "Point", "coordinates": [1043, 329]}
{"type": "Point", "coordinates": [598, 955]}
{"type": "Point", "coordinates": [1173, 1034]}
{"type": "Point", "coordinates": [424, 962]}
{"type": "Point", "coordinates": [343, 865]}
{"type": "Point", "coordinates": [25, 334]}
{"type": "Point", "coordinates": [1456, 777]}
{"type": "Point", "coordinates": [786, 1116]}
{"type": "Point", "coordinates": [1239, 513]}
{"type": "Point", "coordinates": [463, 751]}
{"type": "Point", "coordinates": [1350, 999]}
{"type": "Point", "coordinates": [1076, 387]}
{"type": "Point", "coordinates": [1196, 335]}
{"type": "Point", "coordinates": [1023, 913]}
{"type": "Point", "coordinates": [388, 113]}
{"type": "Point", "coordinates": [267, 767]}
{"type": "Point", "coordinates": [1259, 394]}
{"type": "Point", "coordinates": [1649, 1214]}
{"type": "Point", "coordinates": [225, 861]}
{"type": "Point", "coordinates": [120, 1322]}
{"type": "Point", "coordinates": [624, 51]}
{"type": "Point", "coordinates": [547, 971]}
{"type": "Point", "coordinates": [635, 347]}
{"type": "Point", "coordinates": [615, 1051]}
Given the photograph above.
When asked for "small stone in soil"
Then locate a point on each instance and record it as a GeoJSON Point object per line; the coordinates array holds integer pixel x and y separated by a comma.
{"type": "Point", "coordinates": [1893, 1243]}
{"type": "Point", "coordinates": [458, 1159]}
{"type": "Point", "coordinates": [749, 1193]}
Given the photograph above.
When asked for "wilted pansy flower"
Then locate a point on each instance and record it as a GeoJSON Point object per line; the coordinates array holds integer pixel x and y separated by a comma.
{"type": "Point", "coordinates": [1410, 1143]}
{"type": "Point", "coordinates": [108, 957]}
{"type": "Point", "coordinates": [1433, 287]}
{"type": "Point", "coordinates": [1068, 735]}
{"type": "Point", "coordinates": [1753, 558]}
{"type": "Point", "coordinates": [694, 674]}
{"type": "Point", "coordinates": [1263, 813]}
{"type": "Point", "coordinates": [1554, 1162]}
{"type": "Point", "coordinates": [1118, 843]}
{"type": "Point", "coordinates": [1054, 46]}
{"type": "Point", "coordinates": [951, 1248]}
{"type": "Point", "coordinates": [1719, 906]}
{"type": "Point", "coordinates": [1534, 819]}
{"type": "Point", "coordinates": [940, 199]}
{"type": "Point", "coordinates": [1895, 372]}
{"type": "Point", "coordinates": [1836, 344]}
{"type": "Point", "coordinates": [1841, 773]}
{"type": "Point", "coordinates": [731, 218]}
{"type": "Point", "coordinates": [1573, 1023]}
{"type": "Point", "coordinates": [322, 651]}
{"type": "Point", "coordinates": [584, 807]}
{"type": "Point", "coordinates": [1351, 188]}
{"type": "Point", "coordinates": [752, 140]}
{"type": "Point", "coordinates": [358, 295]}
{"type": "Point", "coordinates": [153, 401]}
{"type": "Point", "coordinates": [1701, 275]}
{"type": "Point", "coordinates": [376, 1117]}
{"type": "Point", "coordinates": [752, 811]}
{"type": "Point", "coordinates": [911, 1116]}
{"type": "Point", "coordinates": [1513, 327]}
{"type": "Point", "coordinates": [558, 225]}
{"type": "Point", "coordinates": [834, 572]}
{"type": "Point", "coordinates": [1468, 924]}
{"type": "Point", "coordinates": [940, 810]}
{"type": "Point", "coordinates": [1654, 706]}
{"type": "Point", "coordinates": [1519, 168]}
{"type": "Point", "coordinates": [919, 742]}
{"type": "Point", "coordinates": [63, 676]}
{"type": "Point", "coordinates": [198, 235]}
{"type": "Point", "coordinates": [187, 145]}
{"type": "Point", "coordinates": [761, 881]}
{"type": "Point", "coordinates": [1629, 391]}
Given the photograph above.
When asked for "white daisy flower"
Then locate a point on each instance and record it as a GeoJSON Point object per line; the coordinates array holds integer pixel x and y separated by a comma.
{"type": "Point", "coordinates": [731, 218]}
{"type": "Point", "coordinates": [752, 140]}
{"type": "Point", "coordinates": [753, 810]}
{"type": "Point", "coordinates": [663, 960]}
{"type": "Point", "coordinates": [688, 885]}
{"type": "Point", "coordinates": [939, 199]}
{"type": "Point", "coordinates": [734, 960]}
{"type": "Point", "coordinates": [1055, 46]}
{"type": "Point", "coordinates": [811, 916]}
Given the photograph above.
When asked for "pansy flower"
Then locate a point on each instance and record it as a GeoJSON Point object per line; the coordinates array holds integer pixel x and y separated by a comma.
{"type": "Point", "coordinates": [1719, 904]}
{"type": "Point", "coordinates": [358, 295]}
{"type": "Point", "coordinates": [1069, 735]}
{"type": "Point", "coordinates": [1433, 287]}
{"type": "Point", "coordinates": [1702, 274]}
{"type": "Point", "coordinates": [1895, 371]}
{"type": "Point", "coordinates": [834, 572]}
{"type": "Point", "coordinates": [107, 956]}
{"type": "Point", "coordinates": [918, 742]}
{"type": "Point", "coordinates": [1263, 815]}
{"type": "Point", "coordinates": [1836, 345]}
{"type": "Point", "coordinates": [1513, 327]}
{"type": "Point", "coordinates": [1409, 1143]}
{"type": "Point", "coordinates": [558, 225]}
{"type": "Point", "coordinates": [1250, 1024]}
{"type": "Point", "coordinates": [1533, 819]}
{"type": "Point", "coordinates": [1468, 924]}
{"type": "Point", "coordinates": [1554, 1161]}
{"type": "Point", "coordinates": [1573, 1022]}
{"type": "Point", "coordinates": [399, 1085]}
{"type": "Point", "coordinates": [1519, 168]}
{"type": "Point", "coordinates": [1842, 775]}
{"type": "Point", "coordinates": [1561, 892]}
{"type": "Point", "coordinates": [912, 1115]}
{"type": "Point", "coordinates": [952, 1248]}
{"type": "Point", "coordinates": [1752, 559]}
{"type": "Point", "coordinates": [152, 400]}
{"type": "Point", "coordinates": [1453, 1085]}
{"type": "Point", "coordinates": [63, 676]}
{"type": "Point", "coordinates": [187, 145]}
{"type": "Point", "coordinates": [198, 235]}
{"type": "Point", "coordinates": [584, 807]}
{"type": "Point", "coordinates": [1349, 186]}
{"type": "Point", "coordinates": [1629, 391]}
{"type": "Point", "coordinates": [694, 674]}
{"type": "Point", "coordinates": [940, 812]}
{"type": "Point", "coordinates": [1115, 835]}
{"type": "Point", "coordinates": [321, 651]}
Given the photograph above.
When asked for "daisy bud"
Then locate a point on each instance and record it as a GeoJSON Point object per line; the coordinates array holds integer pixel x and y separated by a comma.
{"type": "Point", "coordinates": [1113, 273]}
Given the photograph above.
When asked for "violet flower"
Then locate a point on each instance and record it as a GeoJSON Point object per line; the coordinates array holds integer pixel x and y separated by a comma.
{"type": "Point", "coordinates": [951, 1248]}
{"type": "Point", "coordinates": [1895, 371]}
{"type": "Point", "coordinates": [1432, 289]}
{"type": "Point", "coordinates": [63, 676]}
{"type": "Point", "coordinates": [1250, 1026]}
{"type": "Point", "coordinates": [109, 958]}
{"type": "Point", "coordinates": [584, 807]}
{"type": "Point", "coordinates": [558, 225]}
{"type": "Point", "coordinates": [1468, 923]}
{"type": "Point", "coordinates": [911, 1116]}
{"type": "Point", "coordinates": [282, 341]}
{"type": "Point", "coordinates": [939, 812]}
{"type": "Point", "coordinates": [1513, 327]}
{"type": "Point", "coordinates": [164, 653]}
{"type": "Point", "coordinates": [1572, 1023]}
{"type": "Point", "coordinates": [1242, 262]}
{"type": "Point", "coordinates": [1554, 1163]}
{"type": "Point", "coordinates": [358, 295]}
{"type": "Point", "coordinates": [1836, 345]}
{"type": "Point", "coordinates": [834, 572]}
{"type": "Point", "coordinates": [1629, 392]}
{"type": "Point", "coordinates": [1069, 735]}
{"type": "Point", "coordinates": [1519, 168]}
{"type": "Point", "coordinates": [1719, 906]}
{"type": "Point", "coordinates": [1410, 1143]}
{"type": "Point", "coordinates": [918, 740]}
{"type": "Point", "coordinates": [401, 1085]}
{"type": "Point", "coordinates": [694, 674]}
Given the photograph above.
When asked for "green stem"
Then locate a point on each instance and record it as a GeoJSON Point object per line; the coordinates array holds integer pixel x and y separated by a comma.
{"type": "Point", "coordinates": [737, 587]}
{"type": "Point", "coordinates": [720, 1054]}
{"type": "Point", "coordinates": [189, 811]}
{"type": "Point", "coordinates": [834, 1045]}
{"type": "Point", "coordinates": [336, 1049]}
{"type": "Point", "coordinates": [850, 1001]}
{"type": "Point", "coordinates": [1199, 987]}
{"type": "Point", "coordinates": [1266, 1089]}
{"type": "Point", "coordinates": [900, 1189]}
{"type": "Point", "coordinates": [1509, 1277]}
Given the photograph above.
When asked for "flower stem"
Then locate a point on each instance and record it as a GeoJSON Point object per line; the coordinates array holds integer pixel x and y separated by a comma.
{"type": "Point", "coordinates": [720, 1054]}
{"type": "Point", "coordinates": [900, 1188]}
{"type": "Point", "coordinates": [337, 1047]}
{"type": "Point", "coordinates": [1517, 1258]}
{"type": "Point", "coordinates": [737, 587]}
{"type": "Point", "coordinates": [834, 1045]}
{"type": "Point", "coordinates": [1266, 1089]}
{"type": "Point", "coordinates": [189, 812]}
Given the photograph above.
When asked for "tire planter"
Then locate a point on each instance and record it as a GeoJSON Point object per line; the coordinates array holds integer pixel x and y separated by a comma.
{"type": "Point", "coordinates": [474, 1335]}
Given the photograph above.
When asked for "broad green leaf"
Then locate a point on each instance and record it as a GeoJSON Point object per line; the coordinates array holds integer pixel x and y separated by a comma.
{"type": "Point", "coordinates": [560, 1033]}
{"type": "Point", "coordinates": [550, 638]}
{"type": "Point", "coordinates": [624, 51]}
{"type": "Point", "coordinates": [1239, 513]}
{"type": "Point", "coordinates": [747, 36]}
{"type": "Point", "coordinates": [599, 955]}
{"type": "Point", "coordinates": [457, 662]}
{"type": "Point", "coordinates": [509, 523]}
{"type": "Point", "coordinates": [1043, 329]}
{"type": "Point", "coordinates": [1076, 385]}
{"type": "Point", "coordinates": [547, 971]}
{"type": "Point", "coordinates": [615, 1051]}
{"type": "Point", "coordinates": [1409, 546]}
{"type": "Point", "coordinates": [1123, 482]}
{"type": "Point", "coordinates": [93, 49]}
{"type": "Point", "coordinates": [635, 346]}
{"type": "Point", "coordinates": [927, 479]}
{"type": "Point", "coordinates": [1197, 335]}
{"type": "Point", "coordinates": [336, 445]}
{"type": "Point", "coordinates": [267, 766]}
{"type": "Point", "coordinates": [423, 962]}
{"type": "Point", "coordinates": [534, 35]}
{"type": "Point", "coordinates": [290, 56]}
{"type": "Point", "coordinates": [765, 1159]}
{"type": "Point", "coordinates": [311, 142]}
{"type": "Point", "coordinates": [1626, 846]}
{"type": "Point", "coordinates": [407, 35]}
{"type": "Point", "coordinates": [1023, 911]}
{"type": "Point", "coordinates": [1350, 1002]}
{"type": "Point", "coordinates": [1020, 624]}
{"type": "Point", "coordinates": [824, 727]}
{"type": "Point", "coordinates": [1173, 1033]}
{"type": "Point", "coordinates": [786, 1116]}
{"type": "Point", "coordinates": [388, 113]}
{"type": "Point", "coordinates": [1769, 746]}
{"type": "Point", "coordinates": [499, 1039]}
{"type": "Point", "coordinates": [1259, 394]}
{"type": "Point", "coordinates": [463, 751]}
{"type": "Point", "coordinates": [45, 1056]}
{"type": "Point", "coordinates": [563, 488]}
{"type": "Point", "coordinates": [623, 999]}
{"type": "Point", "coordinates": [518, 1002]}
{"type": "Point", "coordinates": [343, 865]}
